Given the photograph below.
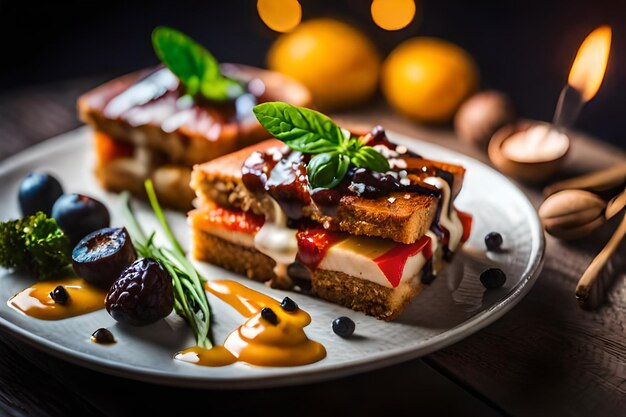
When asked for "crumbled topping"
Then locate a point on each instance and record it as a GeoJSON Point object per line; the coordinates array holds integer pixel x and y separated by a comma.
{"type": "Point", "coordinates": [276, 155]}
{"type": "Point", "coordinates": [326, 224]}
{"type": "Point", "coordinates": [397, 163]}
{"type": "Point", "coordinates": [359, 171]}
{"type": "Point", "coordinates": [407, 196]}
{"type": "Point", "coordinates": [401, 149]}
{"type": "Point", "coordinates": [386, 152]}
{"type": "Point", "coordinates": [391, 199]}
{"type": "Point", "coordinates": [424, 168]}
{"type": "Point", "coordinates": [405, 181]}
{"type": "Point", "coordinates": [357, 188]}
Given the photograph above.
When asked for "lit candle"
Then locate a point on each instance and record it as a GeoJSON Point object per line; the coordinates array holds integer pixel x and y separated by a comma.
{"type": "Point", "coordinates": [545, 143]}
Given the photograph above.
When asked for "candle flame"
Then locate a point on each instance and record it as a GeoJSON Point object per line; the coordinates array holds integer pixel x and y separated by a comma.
{"type": "Point", "coordinates": [589, 66]}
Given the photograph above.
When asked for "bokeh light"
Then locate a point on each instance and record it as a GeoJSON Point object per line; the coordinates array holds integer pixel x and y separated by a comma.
{"type": "Point", "coordinates": [393, 14]}
{"type": "Point", "coordinates": [280, 15]}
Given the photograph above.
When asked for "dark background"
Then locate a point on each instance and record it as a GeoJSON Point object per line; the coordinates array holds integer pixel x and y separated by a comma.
{"type": "Point", "coordinates": [522, 47]}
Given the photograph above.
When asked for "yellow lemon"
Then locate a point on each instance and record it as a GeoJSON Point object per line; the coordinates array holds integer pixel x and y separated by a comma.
{"type": "Point", "coordinates": [334, 60]}
{"type": "Point", "coordinates": [427, 79]}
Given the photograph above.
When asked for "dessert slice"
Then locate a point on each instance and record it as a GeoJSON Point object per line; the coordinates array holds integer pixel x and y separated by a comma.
{"type": "Point", "coordinates": [368, 236]}
{"type": "Point", "coordinates": [158, 123]}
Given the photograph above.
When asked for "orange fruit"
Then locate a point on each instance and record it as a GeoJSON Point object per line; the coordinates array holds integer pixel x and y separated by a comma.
{"type": "Point", "coordinates": [338, 64]}
{"type": "Point", "coordinates": [427, 79]}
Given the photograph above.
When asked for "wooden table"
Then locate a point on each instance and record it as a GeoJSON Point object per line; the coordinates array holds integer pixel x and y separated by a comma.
{"type": "Point", "coordinates": [545, 357]}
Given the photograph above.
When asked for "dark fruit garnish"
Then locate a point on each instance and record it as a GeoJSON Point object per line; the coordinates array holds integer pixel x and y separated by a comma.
{"type": "Point", "coordinates": [142, 295]}
{"type": "Point", "coordinates": [60, 295]}
{"type": "Point", "coordinates": [289, 305]}
{"type": "Point", "coordinates": [343, 326]}
{"type": "Point", "coordinates": [269, 315]}
{"type": "Point", "coordinates": [78, 215]}
{"type": "Point", "coordinates": [102, 336]}
{"type": "Point", "coordinates": [101, 256]}
{"type": "Point", "coordinates": [493, 241]}
{"type": "Point", "coordinates": [493, 278]}
{"type": "Point", "coordinates": [38, 192]}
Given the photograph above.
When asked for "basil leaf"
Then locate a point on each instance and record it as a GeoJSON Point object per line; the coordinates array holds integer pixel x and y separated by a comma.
{"type": "Point", "coordinates": [326, 170]}
{"type": "Point", "coordinates": [301, 129]}
{"type": "Point", "coordinates": [368, 157]}
{"type": "Point", "coordinates": [194, 66]}
{"type": "Point", "coordinates": [222, 88]}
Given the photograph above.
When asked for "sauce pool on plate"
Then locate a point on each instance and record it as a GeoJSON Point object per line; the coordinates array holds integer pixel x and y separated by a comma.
{"type": "Point", "coordinates": [36, 301]}
{"type": "Point", "coordinates": [280, 341]}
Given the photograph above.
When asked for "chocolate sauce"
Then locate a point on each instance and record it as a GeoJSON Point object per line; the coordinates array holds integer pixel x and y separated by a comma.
{"type": "Point", "coordinates": [288, 184]}
{"type": "Point", "coordinates": [427, 273]}
{"type": "Point", "coordinates": [300, 275]}
{"type": "Point", "coordinates": [257, 168]}
{"type": "Point", "coordinates": [282, 174]}
{"type": "Point", "coordinates": [160, 99]}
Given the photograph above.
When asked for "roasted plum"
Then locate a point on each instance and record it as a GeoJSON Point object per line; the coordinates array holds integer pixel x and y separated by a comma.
{"type": "Point", "coordinates": [101, 256]}
{"type": "Point", "coordinates": [142, 295]}
{"type": "Point", "coordinates": [38, 192]}
{"type": "Point", "coordinates": [78, 215]}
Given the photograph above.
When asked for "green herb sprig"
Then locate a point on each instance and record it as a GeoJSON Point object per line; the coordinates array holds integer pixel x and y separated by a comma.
{"type": "Point", "coordinates": [311, 132]}
{"type": "Point", "coordinates": [190, 300]}
{"type": "Point", "coordinates": [35, 244]}
{"type": "Point", "coordinates": [194, 66]}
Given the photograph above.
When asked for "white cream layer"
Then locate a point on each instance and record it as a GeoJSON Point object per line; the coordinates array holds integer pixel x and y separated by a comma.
{"type": "Point", "coordinates": [344, 258]}
{"type": "Point", "coordinates": [340, 258]}
{"type": "Point", "coordinates": [277, 241]}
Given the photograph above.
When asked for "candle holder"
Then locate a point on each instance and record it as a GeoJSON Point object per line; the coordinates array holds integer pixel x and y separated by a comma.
{"type": "Point", "coordinates": [535, 171]}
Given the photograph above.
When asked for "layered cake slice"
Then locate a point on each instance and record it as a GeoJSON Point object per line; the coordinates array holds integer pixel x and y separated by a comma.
{"type": "Point", "coordinates": [367, 231]}
{"type": "Point", "coordinates": [158, 123]}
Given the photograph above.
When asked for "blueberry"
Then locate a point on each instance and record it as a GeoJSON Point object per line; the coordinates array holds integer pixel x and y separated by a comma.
{"type": "Point", "coordinates": [60, 295]}
{"type": "Point", "coordinates": [101, 256]}
{"type": "Point", "coordinates": [38, 192]}
{"type": "Point", "coordinates": [289, 305]}
{"type": "Point", "coordinates": [78, 215]}
{"type": "Point", "coordinates": [103, 336]}
{"type": "Point", "coordinates": [493, 241]}
{"type": "Point", "coordinates": [269, 315]}
{"type": "Point", "coordinates": [493, 278]}
{"type": "Point", "coordinates": [343, 326]}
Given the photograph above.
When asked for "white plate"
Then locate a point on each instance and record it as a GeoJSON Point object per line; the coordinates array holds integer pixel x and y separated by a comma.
{"type": "Point", "coordinates": [455, 306]}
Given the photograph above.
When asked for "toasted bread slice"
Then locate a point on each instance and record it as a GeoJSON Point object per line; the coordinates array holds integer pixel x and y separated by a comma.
{"type": "Point", "coordinates": [337, 287]}
{"type": "Point", "coordinates": [403, 217]}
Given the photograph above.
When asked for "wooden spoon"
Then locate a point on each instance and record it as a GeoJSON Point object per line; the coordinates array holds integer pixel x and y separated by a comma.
{"type": "Point", "coordinates": [590, 289]}
{"type": "Point", "coordinates": [615, 205]}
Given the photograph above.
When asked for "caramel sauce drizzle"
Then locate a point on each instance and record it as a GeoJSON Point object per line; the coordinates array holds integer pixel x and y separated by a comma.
{"type": "Point", "coordinates": [35, 301]}
{"type": "Point", "coordinates": [256, 341]}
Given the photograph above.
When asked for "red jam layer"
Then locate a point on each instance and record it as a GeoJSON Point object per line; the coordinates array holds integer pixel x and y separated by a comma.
{"type": "Point", "coordinates": [314, 243]}
{"type": "Point", "coordinates": [109, 149]}
{"type": "Point", "coordinates": [393, 261]}
{"type": "Point", "coordinates": [236, 221]}
{"type": "Point", "coordinates": [466, 221]}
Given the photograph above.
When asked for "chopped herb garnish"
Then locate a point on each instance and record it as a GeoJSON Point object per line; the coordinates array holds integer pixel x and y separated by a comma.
{"type": "Point", "coordinates": [311, 132]}
{"type": "Point", "coordinates": [190, 300]}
